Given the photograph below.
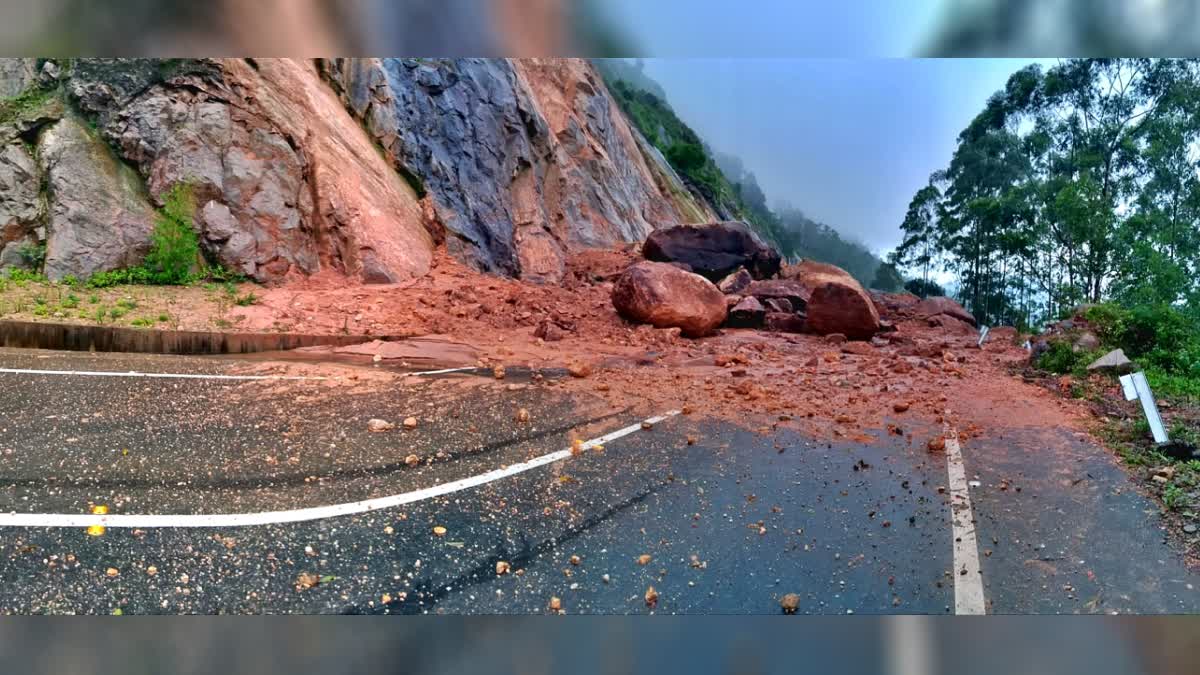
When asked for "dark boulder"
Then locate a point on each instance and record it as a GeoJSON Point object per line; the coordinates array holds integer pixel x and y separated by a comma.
{"type": "Point", "coordinates": [714, 250]}
{"type": "Point", "coordinates": [795, 292]}
{"type": "Point", "coordinates": [784, 323]}
{"type": "Point", "coordinates": [736, 282]}
{"type": "Point", "coordinates": [779, 305]}
{"type": "Point", "coordinates": [747, 313]}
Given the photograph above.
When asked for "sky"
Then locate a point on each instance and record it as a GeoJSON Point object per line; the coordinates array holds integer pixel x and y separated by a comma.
{"type": "Point", "coordinates": [848, 141]}
{"type": "Point", "coordinates": [818, 99]}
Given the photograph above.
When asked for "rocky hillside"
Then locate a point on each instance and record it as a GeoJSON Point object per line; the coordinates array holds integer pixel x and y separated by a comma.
{"type": "Point", "coordinates": [349, 168]}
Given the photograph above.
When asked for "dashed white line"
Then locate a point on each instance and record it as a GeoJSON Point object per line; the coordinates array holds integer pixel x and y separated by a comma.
{"type": "Point", "coordinates": [200, 376]}
{"type": "Point", "coordinates": [306, 514]}
{"type": "Point", "coordinates": [968, 580]}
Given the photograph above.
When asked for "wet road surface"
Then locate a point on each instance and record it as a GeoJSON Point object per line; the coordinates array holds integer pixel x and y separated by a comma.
{"type": "Point", "coordinates": [727, 523]}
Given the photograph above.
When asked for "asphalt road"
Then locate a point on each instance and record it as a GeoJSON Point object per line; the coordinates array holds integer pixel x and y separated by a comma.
{"type": "Point", "coordinates": [726, 524]}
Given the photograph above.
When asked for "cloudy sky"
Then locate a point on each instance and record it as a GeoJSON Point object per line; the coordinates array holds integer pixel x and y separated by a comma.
{"type": "Point", "coordinates": [847, 135]}
{"type": "Point", "coordinates": [847, 141]}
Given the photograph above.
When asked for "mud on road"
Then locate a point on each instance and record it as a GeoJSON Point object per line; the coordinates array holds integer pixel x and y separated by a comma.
{"type": "Point", "coordinates": [714, 516]}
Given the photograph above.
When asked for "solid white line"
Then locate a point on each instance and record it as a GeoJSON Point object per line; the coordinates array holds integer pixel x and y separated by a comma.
{"type": "Point", "coordinates": [301, 515]}
{"type": "Point", "coordinates": [968, 587]}
{"type": "Point", "coordinates": [200, 376]}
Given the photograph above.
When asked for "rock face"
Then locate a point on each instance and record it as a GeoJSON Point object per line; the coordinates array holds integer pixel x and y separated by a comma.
{"type": "Point", "coordinates": [523, 160]}
{"type": "Point", "coordinates": [837, 303]}
{"type": "Point", "coordinates": [99, 215]}
{"type": "Point", "coordinates": [20, 202]}
{"type": "Point", "coordinates": [714, 250]}
{"type": "Point", "coordinates": [667, 297]}
{"type": "Point", "coordinates": [513, 163]}
{"type": "Point", "coordinates": [935, 305]}
{"type": "Point", "coordinates": [286, 181]}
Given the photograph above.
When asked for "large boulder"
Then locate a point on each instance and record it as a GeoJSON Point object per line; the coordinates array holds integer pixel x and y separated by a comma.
{"type": "Point", "coordinates": [894, 305]}
{"type": "Point", "coordinates": [1114, 361]}
{"type": "Point", "coordinates": [665, 296]}
{"type": "Point", "coordinates": [951, 324]}
{"type": "Point", "coordinates": [938, 304]}
{"type": "Point", "coordinates": [714, 250]}
{"type": "Point", "coordinates": [837, 303]}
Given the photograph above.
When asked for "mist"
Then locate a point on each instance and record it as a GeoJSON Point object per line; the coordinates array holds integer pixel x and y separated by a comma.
{"type": "Point", "coordinates": [847, 141]}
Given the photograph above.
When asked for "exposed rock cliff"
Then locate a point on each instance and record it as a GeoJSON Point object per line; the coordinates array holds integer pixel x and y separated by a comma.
{"type": "Point", "coordinates": [522, 159]}
{"type": "Point", "coordinates": [351, 167]}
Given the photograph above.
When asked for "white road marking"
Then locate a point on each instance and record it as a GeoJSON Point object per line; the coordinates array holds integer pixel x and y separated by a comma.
{"type": "Point", "coordinates": [968, 586]}
{"type": "Point", "coordinates": [306, 514]}
{"type": "Point", "coordinates": [200, 376]}
{"type": "Point", "coordinates": [444, 370]}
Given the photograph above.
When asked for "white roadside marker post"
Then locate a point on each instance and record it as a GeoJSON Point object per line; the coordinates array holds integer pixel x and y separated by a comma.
{"type": "Point", "coordinates": [982, 335]}
{"type": "Point", "coordinates": [1136, 386]}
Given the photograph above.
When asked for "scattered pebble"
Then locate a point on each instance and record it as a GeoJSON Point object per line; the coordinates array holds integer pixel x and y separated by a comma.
{"type": "Point", "coordinates": [651, 597]}
{"type": "Point", "coordinates": [410, 423]}
{"type": "Point", "coordinates": [377, 425]}
{"type": "Point", "coordinates": [790, 603]}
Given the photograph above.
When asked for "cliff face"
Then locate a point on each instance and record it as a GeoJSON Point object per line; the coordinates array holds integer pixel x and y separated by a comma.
{"type": "Point", "coordinates": [349, 167]}
{"type": "Point", "coordinates": [522, 159]}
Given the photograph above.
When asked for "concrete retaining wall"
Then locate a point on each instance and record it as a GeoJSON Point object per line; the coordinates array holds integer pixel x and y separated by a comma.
{"type": "Point", "coordinates": [32, 334]}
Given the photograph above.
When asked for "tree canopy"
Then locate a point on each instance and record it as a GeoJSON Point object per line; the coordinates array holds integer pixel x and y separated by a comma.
{"type": "Point", "coordinates": [1074, 184]}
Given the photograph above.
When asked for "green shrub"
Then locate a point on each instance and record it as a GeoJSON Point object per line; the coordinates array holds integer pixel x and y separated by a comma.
{"type": "Point", "coordinates": [246, 299]}
{"type": "Point", "coordinates": [128, 275]}
{"type": "Point", "coordinates": [20, 276]}
{"type": "Point", "coordinates": [1108, 320]}
{"type": "Point", "coordinates": [141, 322]}
{"type": "Point", "coordinates": [1177, 386]}
{"type": "Point", "coordinates": [1173, 496]}
{"type": "Point", "coordinates": [1058, 358]}
{"type": "Point", "coordinates": [175, 247]}
{"type": "Point", "coordinates": [34, 255]}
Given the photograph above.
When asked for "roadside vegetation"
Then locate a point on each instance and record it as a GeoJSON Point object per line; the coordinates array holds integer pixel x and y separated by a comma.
{"type": "Point", "coordinates": [1074, 195]}
{"type": "Point", "coordinates": [134, 296]}
{"type": "Point", "coordinates": [1164, 342]}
